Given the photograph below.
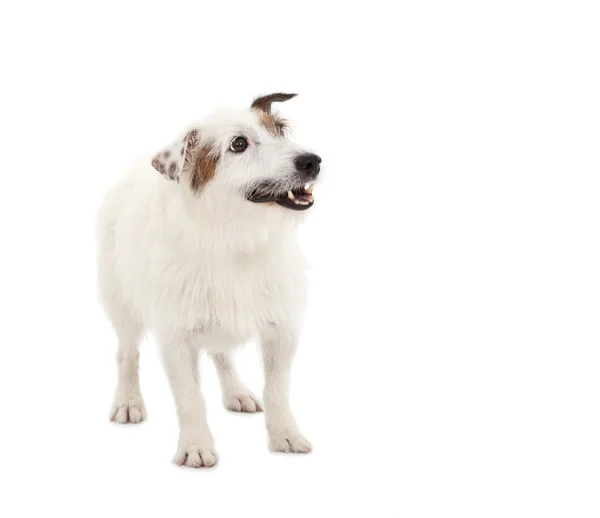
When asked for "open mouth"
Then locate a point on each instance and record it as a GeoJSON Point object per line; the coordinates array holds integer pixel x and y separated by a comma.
{"type": "Point", "coordinates": [295, 199]}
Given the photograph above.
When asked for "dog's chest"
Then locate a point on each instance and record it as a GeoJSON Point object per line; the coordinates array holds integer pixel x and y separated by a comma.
{"type": "Point", "coordinates": [230, 298]}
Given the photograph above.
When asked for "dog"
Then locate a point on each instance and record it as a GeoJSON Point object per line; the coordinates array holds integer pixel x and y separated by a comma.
{"type": "Point", "coordinates": [197, 244]}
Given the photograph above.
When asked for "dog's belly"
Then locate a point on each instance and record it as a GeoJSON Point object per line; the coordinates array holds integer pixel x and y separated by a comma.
{"type": "Point", "coordinates": [222, 314]}
{"type": "Point", "coordinates": [218, 339]}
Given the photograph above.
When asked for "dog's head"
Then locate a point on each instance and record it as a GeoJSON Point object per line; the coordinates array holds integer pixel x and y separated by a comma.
{"type": "Point", "coordinates": [245, 154]}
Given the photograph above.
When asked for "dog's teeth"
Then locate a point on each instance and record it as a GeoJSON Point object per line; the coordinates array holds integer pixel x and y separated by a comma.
{"type": "Point", "coordinates": [303, 202]}
{"type": "Point", "coordinates": [291, 195]}
{"type": "Point", "coordinates": [308, 187]}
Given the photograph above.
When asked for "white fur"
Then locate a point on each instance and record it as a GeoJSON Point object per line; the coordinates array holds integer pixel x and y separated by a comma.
{"type": "Point", "coordinates": [206, 270]}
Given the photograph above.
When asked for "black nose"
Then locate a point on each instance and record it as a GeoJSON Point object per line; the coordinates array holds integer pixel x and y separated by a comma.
{"type": "Point", "coordinates": [308, 164]}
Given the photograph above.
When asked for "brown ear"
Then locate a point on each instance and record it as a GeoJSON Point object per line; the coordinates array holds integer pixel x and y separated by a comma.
{"type": "Point", "coordinates": [190, 157]}
{"type": "Point", "coordinates": [172, 161]}
{"type": "Point", "coordinates": [264, 103]}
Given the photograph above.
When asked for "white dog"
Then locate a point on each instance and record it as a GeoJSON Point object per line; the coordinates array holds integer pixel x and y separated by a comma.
{"type": "Point", "coordinates": [198, 245]}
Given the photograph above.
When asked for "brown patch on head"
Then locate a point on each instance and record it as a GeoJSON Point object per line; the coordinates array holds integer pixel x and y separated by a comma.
{"type": "Point", "coordinates": [204, 169]}
{"type": "Point", "coordinates": [167, 154]}
{"type": "Point", "coordinates": [272, 123]}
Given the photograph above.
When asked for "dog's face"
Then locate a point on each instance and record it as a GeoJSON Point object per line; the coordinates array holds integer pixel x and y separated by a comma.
{"type": "Point", "coordinates": [244, 154]}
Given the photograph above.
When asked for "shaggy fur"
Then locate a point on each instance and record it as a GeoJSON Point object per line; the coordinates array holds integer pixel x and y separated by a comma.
{"type": "Point", "coordinates": [185, 254]}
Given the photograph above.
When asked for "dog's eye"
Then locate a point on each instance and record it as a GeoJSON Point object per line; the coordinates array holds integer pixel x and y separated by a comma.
{"type": "Point", "coordinates": [238, 145]}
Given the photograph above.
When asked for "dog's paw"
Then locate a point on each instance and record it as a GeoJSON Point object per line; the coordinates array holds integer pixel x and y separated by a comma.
{"type": "Point", "coordinates": [130, 412]}
{"type": "Point", "coordinates": [196, 456]}
{"type": "Point", "coordinates": [289, 442]}
{"type": "Point", "coordinates": [242, 402]}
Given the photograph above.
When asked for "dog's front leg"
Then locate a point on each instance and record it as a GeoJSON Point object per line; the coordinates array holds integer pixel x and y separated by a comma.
{"type": "Point", "coordinates": [279, 347]}
{"type": "Point", "coordinates": [196, 446]}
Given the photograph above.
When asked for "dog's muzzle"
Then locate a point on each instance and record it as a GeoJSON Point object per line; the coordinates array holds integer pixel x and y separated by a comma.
{"type": "Point", "coordinates": [299, 197]}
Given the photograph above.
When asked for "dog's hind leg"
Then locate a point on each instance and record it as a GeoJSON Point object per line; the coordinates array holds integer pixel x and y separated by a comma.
{"type": "Point", "coordinates": [128, 405]}
{"type": "Point", "coordinates": [236, 396]}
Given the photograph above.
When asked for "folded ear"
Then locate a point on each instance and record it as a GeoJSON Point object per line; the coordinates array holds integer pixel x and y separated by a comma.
{"type": "Point", "coordinates": [178, 157]}
{"type": "Point", "coordinates": [264, 103]}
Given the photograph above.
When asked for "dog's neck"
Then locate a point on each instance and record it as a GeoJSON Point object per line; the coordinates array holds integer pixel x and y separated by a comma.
{"type": "Point", "coordinates": [235, 226]}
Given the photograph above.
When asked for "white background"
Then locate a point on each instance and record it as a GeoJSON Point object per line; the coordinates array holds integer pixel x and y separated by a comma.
{"type": "Point", "coordinates": [449, 364]}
